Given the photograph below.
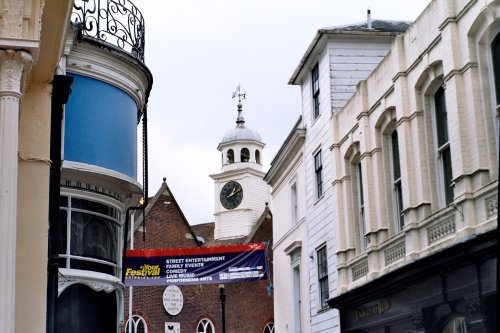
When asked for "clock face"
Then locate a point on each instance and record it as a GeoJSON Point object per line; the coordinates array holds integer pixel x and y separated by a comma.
{"type": "Point", "coordinates": [231, 195]}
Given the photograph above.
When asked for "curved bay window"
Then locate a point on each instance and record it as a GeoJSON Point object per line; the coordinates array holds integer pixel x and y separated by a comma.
{"type": "Point", "coordinates": [89, 235]}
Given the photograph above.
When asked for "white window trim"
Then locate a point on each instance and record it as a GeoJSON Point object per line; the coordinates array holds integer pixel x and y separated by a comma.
{"type": "Point", "coordinates": [206, 322]}
{"type": "Point", "coordinates": [440, 173]}
{"type": "Point", "coordinates": [136, 319]}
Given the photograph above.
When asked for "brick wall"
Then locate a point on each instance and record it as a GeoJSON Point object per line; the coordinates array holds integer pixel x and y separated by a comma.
{"type": "Point", "coordinates": [248, 306]}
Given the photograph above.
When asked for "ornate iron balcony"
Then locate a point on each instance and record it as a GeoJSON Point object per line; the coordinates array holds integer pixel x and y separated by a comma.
{"type": "Point", "coordinates": [116, 22]}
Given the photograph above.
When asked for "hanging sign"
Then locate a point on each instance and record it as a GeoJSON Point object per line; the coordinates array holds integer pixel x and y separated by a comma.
{"type": "Point", "coordinates": [224, 264]}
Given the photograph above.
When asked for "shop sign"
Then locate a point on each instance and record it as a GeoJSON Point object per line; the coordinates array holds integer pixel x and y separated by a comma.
{"type": "Point", "coordinates": [372, 309]}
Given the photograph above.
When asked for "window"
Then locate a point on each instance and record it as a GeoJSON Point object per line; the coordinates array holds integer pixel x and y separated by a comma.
{"type": "Point", "coordinates": [360, 205]}
{"type": "Point", "coordinates": [257, 156]}
{"type": "Point", "coordinates": [396, 181]}
{"type": "Point", "coordinates": [322, 276]}
{"type": "Point", "coordinates": [269, 328]}
{"type": "Point", "coordinates": [315, 90]}
{"type": "Point", "coordinates": [136, 324]}
{"type": "Point", "coordinates": [89, 235]}
{"type": "Point", "coordinates": [293, 203]}
{"type": "Point", "coordinates": [318, 169]}
{"type": "Point", "coordinates": [245, 155]}
{"type": "Point", "coordinates": [297, 311]}
{"type": "Point", "coordinates": [443, 145]}
{"type": "Point", "coordinates": [230, 156]}
{"type": "Point", "coordinates": [495, 56]}
{"type": "Point", "coordinates": [205, 326]}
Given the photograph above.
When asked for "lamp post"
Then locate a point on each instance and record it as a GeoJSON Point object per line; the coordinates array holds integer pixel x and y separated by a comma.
{"type": "Point", "coordinates": [222, 297]}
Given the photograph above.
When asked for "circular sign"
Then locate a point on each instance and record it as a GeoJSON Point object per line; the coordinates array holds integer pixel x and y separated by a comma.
{"type": "Point", "coordinates": [173, 300]}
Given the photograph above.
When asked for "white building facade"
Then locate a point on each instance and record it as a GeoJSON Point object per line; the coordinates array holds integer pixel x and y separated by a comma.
{"type": "Point", "coordinates": [290, 244]}
{"type": "Point", "coordinates": [336, 60]}
{"type": "Point", "coordinates": [415, 182]}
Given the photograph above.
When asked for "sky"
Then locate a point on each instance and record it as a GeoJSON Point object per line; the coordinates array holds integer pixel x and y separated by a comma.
{"type": "Point", "coordinates": [199, 51]}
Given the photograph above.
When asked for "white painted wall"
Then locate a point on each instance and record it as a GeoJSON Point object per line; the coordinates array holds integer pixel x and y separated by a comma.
{"type": "Point", "coordinates": [343, 62]}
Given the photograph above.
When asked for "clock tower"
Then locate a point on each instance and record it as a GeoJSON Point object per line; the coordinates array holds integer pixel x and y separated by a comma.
{"type": "Point", "coordinates": [241, 193]}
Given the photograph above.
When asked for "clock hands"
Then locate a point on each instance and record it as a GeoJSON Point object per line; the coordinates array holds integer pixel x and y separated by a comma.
{"type": "Point", "coordinates": [234, 191]}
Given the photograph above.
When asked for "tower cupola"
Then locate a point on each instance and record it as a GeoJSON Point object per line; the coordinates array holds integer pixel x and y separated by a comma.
{"type": "Point", "coordinates": [241, 144]}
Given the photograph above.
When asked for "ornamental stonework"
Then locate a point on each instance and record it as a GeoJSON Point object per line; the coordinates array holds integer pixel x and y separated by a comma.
{"type": "Point", "coordinates": [12, 65]}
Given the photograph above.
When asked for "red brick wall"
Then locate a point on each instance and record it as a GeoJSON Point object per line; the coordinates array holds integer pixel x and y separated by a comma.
{"type": "Point", "coordinates": [248, 306]}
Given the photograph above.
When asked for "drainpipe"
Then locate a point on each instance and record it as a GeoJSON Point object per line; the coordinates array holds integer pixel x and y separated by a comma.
{"type": "Point", "coordinates": [144, 204]}
{"type": "Point", "coordinates": [61, 89]}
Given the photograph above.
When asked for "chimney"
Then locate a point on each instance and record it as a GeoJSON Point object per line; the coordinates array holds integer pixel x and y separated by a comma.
{"type": "Point", "coordinates": [369, 19]}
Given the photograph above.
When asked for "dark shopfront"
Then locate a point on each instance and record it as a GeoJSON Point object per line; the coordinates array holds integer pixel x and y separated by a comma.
{"type": "Point", "coordinates": [453, 291]}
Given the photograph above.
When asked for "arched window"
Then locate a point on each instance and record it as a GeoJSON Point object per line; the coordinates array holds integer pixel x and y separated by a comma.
{"type": "Point", "coordinates": [387, 138]}
{"type": "Point", "coordinates": [269, 328]}
{"type": "Point", "coordinates": [354, 172]}
{"type": "Point", "coordinates": [136, 324]}
{"type": "Point", "coordinates": [205, 326]}
{"type": "Point", "coordinates": [230, 156]}
{"type": "Point", "coordinates": [257, 156]}
{"type": "Point", "coordinates": [359, 200]}
{"type": "Point", "coordinates": [495, 56]}
{"type": "Point", "coordinates": [245, 155]}
{"type": "Point", "coordinates": [396, 180]}
{"type": "Point", "coordinates": [443, 145]}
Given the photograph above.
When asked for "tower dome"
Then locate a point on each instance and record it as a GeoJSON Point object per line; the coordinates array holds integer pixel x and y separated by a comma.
{"type": "Point", "coordinates": [240, 132]}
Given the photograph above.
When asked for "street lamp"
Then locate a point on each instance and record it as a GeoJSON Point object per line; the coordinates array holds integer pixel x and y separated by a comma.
{"type": "Point", "coordinates": [222, 297]}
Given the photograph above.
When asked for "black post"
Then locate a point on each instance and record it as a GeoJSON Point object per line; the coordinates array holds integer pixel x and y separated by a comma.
{"type": "Point", "coordinates": [222, 297]}
{"type": "Point", "coordinates": [61, 89]}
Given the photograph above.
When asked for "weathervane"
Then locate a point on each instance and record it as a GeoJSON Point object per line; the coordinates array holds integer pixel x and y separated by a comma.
{"type": "Point", "coordinates": [239, 94]}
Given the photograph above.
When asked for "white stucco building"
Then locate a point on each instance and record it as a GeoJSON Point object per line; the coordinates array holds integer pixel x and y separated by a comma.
{"type": "Point", "coordinates": [301, 174]}
{"type": "Point", "coordinates": [415, 183]}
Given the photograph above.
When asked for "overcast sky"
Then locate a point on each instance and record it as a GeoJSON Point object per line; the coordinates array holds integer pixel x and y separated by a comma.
{"type": "Point", "coordinates": [199, 51]}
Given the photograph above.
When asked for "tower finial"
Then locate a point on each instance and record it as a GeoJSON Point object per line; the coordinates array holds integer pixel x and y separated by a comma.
{"type": "Point", "coordinates": [239, 94]}
{"type": "Point", "coordinates": [240, 120]}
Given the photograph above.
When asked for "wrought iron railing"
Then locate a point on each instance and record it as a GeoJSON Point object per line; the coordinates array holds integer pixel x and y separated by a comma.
{"type": "Point", "coordinates": [117, 22]}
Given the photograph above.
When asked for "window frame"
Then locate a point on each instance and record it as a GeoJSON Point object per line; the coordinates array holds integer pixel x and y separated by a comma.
{"type": "Point", "coordinates": [397, 191]}
{"type": "Point", "coordinates": [323, 284]}
{"type": "Point", "coordinates": [360, 204]}
{"type": "Point", "coordinates": [315, 91]}
{"type": "Point", "coordinates": [318, 174]}
{"type": "Point", "coordinates": [294, 207]}
{"type": "Point", "coordinates": [442, 147]}
{"type": "Point", "coordinates": [206, 322]}
{"type": "Point", "coordinates": [115, 216]}
{"type": "Point", "coordinates": [138, 319]}
{"type": "Point", "coordinates": [268, 328]}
